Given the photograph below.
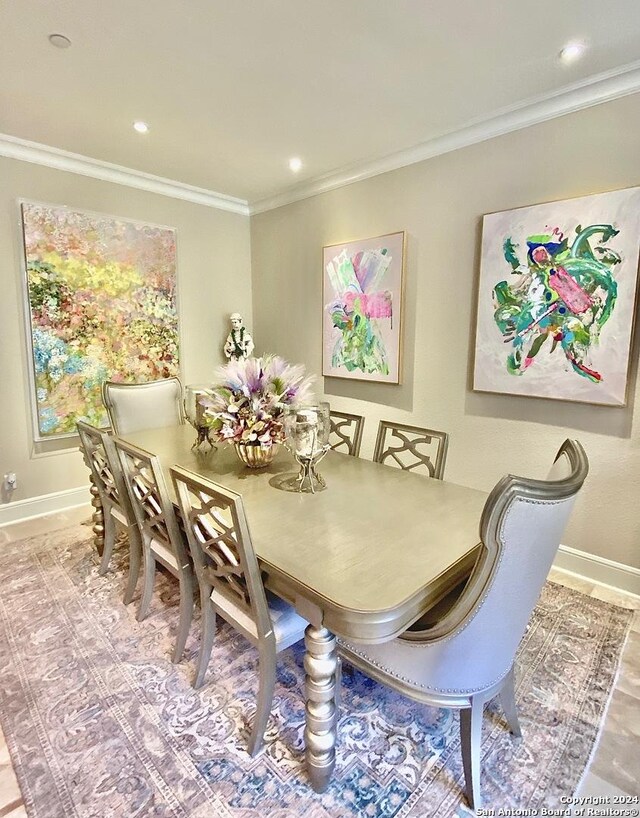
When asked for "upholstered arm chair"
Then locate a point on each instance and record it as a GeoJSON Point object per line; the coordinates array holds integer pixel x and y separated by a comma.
{"type": "Point", "coordinates": [135, 406]}
{"type": "Point", "coordinates": [466, 658]}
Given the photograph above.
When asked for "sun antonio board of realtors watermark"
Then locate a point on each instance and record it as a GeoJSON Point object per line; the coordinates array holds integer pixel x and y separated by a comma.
{"type": "Point", "coordinates": [587, 806]}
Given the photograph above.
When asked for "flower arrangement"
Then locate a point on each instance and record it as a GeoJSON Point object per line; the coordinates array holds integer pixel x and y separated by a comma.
{"type": "Point", "coordinates": [248, 403]}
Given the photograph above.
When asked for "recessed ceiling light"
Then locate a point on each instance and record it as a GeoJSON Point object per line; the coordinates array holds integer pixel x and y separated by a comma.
{"type": "Point", "coordinates": [572, 52]}
{"type": "Point", "coordinates": [140, 127]}
{"type": "Point", "coordinates": [295, 164]}
{"type": "Point", "coordinates": [59, 40]}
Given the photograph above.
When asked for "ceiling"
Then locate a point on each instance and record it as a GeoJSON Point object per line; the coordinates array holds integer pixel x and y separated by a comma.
{"type": "Point", "coordinates": [232, 89]}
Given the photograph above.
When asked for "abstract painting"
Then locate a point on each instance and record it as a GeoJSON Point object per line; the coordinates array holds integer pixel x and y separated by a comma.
{"type": "Point", "coordinates": [557, 299]}
{"type": "Point", "coordinates": [101, 304]}
{"type": "Point", "coordinates": [362, 316]}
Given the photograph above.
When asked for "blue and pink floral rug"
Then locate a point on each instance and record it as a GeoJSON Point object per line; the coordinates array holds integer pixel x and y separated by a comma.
{"type": "Point", "coordinates": [100, 724]}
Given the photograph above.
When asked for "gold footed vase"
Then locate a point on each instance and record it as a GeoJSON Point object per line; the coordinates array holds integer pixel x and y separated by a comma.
{"type": "Point", "coordinates": [256, 457]}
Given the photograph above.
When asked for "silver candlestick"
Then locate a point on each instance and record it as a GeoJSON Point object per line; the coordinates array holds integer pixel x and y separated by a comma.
{"type": "Point", "coordinates": [195, 413]}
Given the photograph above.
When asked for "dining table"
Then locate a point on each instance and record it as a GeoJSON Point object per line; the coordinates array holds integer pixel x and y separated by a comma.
{"type": "Point", "coordinates": [363, 558]}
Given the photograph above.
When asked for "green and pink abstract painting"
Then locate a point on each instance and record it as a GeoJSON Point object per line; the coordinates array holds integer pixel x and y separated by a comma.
{"type": "Point", "coordinates": [101, 295]}
{"type": "Point", "coordinates": [557, 298]}
{"type": "Point", "coordinates": [362, 318]}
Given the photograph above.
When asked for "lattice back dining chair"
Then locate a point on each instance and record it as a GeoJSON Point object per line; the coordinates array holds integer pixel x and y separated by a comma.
{"type": "Point", "coordinates": [135, 406]}
{"type": "Point", "coordinates": [100, 456]}
{"type": "Point", "coordinates": [467, 658]}
{"type": "Point", "coordinates": [415, 448]}
{"type": "Point", "coordinates": [231, 584]}
{"type": "Point", "coordinates": [346, 432]}
{"type": "Point", "coordinates": [162, 538]}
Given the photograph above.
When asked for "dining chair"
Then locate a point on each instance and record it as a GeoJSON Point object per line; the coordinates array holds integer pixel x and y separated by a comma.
{"type": "Point", "coordinates": [467, 658]}
{"type": "Point", "coordinates": [417, 448]}
{"type": "Point", "coordinates": [346, 432]}
{"type": "Point", "coordinates": [231, 585]}
{"type": "Point", "coordinates": [162, 538]}
{"type": "Point", "coordinates": [135, 406]}
{"type": "Point", "coordinates": [100, 456]}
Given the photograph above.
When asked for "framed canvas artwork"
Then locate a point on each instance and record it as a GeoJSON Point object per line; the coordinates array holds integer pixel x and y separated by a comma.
{"type": "Point", "coordinates": [557, 299]}
{"type": "Point", "coordinates": [362, 313]}
{"type": "Point", "coordinates": [101, 304]}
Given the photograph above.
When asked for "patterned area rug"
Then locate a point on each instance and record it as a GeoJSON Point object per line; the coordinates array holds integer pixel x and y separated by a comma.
{"type": "Point", "coordinates": [100, 724]}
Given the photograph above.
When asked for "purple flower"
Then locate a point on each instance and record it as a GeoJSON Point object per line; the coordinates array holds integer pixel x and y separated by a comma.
{"type": "Point", "coordinates": [250, 397]}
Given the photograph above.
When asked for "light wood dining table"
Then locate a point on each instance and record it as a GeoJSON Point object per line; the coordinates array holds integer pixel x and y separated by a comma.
{"type": "Point", "coordinates": [362, 559]}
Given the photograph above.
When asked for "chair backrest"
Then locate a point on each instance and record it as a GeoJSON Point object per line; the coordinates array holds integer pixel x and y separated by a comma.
{"type": "Point", "coordinates": [220, 544]}
{"type": "Point", "coordinates": [100, 456]}
{"type": "Point", "coordinates": [411, 448]}
{"type": "Point", "coordinates": [346, 432]}
{"type": "Point", "coordinates": [522, 524]}
{"type": "Point", "coordinates": [152, 507]}
{"type": "Point", "coordinates": [135, 406]}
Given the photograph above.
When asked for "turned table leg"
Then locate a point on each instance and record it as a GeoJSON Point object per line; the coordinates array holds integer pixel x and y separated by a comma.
{"type": "Point", "coordinates": [98, 517]}
{"type": "Point", "coordinates": [320, 664]}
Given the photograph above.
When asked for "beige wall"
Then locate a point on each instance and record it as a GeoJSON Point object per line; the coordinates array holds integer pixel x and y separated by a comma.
{"type": "Point", "coordinates": [440, 204]}
{"type": "Point", "coordinates": [213, 280]}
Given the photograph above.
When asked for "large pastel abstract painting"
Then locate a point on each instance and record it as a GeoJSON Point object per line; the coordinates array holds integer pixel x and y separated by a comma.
{"type": "Point", "coordinates": [362, 319]}
{"type": "Point", "coordinates": [557, 299]}
{"type": "Point", "coordinates": [101, 297]}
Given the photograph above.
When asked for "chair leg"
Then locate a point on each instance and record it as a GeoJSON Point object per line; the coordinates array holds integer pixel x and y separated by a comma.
{"type": "Point", "coordinates": [508, 703]}
{"type": "Point", "coordinates": [267, 668]}
{"type": "Point", "coordinates": [470, 738]}
{"type": "Point", "coordinates": [186, 613]}
{"type": "Point", "coordinates": [149, 575]}
{"type": "Point", "coordinates": [109, 541]}
{"type": "Point", "coordinates": [208, 634]}
{"type": "Point", "coordinates": [135, 558]}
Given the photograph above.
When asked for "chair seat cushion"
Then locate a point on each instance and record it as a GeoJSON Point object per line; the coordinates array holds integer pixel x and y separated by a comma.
{"type": "Point", "coordinates": [164, 554]}
{"type": "Point", "coordinates": [288, 626]}
{"type": "Point", "coordinates": [118, 514]}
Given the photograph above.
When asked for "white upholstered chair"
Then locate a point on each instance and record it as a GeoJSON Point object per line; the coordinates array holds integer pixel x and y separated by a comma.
{"type": "Point", "coordinates": [411, 448]}
{"type": "Point", "coordinates": [466, 658]}
{"type": "Point", "coordinates": [101, 458]}
{"type": "Point", "coordinates": [346, 432]}
{"type": "Point", "coordinates": [162, 539]}
{"type": "Point", "coordinates": [231, 585]}
{"type": "Point", "coordinates": [135, 406]}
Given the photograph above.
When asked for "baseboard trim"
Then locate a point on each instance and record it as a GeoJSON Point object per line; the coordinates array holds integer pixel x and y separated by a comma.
{"type": "Point", "coordinates": [598, 569]}
{"type": "Point", "coordinates": [21, 510]}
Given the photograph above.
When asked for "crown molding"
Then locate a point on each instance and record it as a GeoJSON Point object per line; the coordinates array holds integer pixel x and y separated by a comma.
{"type": "Point", "coordinates": [15, 148]}
{"type": "Point", "coordinates": [600, 88]}
{"type": "Point", "coordinates": [595, 90]}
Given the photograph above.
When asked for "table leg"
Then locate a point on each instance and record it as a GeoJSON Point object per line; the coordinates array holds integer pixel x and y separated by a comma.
{"type": "Point", "coordinates": [98, 517]}
{"type": "Point", "coordinates": [320, 664]}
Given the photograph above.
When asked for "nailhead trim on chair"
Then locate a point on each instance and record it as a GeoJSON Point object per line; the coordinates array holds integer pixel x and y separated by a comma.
{"type": "Point", "coordinates": [468, 620]}
{"type": "Point", "coordinates": [413, 683]}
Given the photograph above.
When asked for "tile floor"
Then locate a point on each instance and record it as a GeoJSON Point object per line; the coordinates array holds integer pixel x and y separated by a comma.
{"type": "Point", "coordinates": [614, 769]}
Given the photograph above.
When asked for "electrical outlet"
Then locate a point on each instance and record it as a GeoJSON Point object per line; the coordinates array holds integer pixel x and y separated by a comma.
{"type": "Point", "coordinates": [10, 481]}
